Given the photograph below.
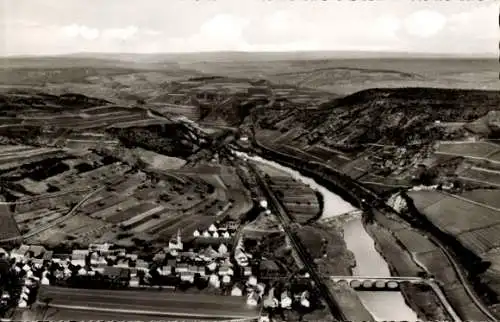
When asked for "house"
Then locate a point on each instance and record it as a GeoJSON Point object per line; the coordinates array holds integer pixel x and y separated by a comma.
{"type": "Point", "coordinates": [78, 259]}
{"type": "Point", "coordinates": [19, 253]}
{"type": "Point", "coordinates": [82, 271]}
{"type": "Point", "coordinates": [212, 266]}
{"type": "Point", "coordinates": [101, 248]}
{"type": "Point", "coordinates": [187, 277]}
{"type": "Point", "coordinates": [285, 300]}
{"type": "Point", "coordinates": [252, 280]}
{"type": "Point", "coordinates": [165, 270]}
{"type": "Point", "coordinates": [271, 301]}
{"type": "Point", "coordinates": [226, 279]}
{"type": "Point", "coordinates": [206, 234]}
{"type": "Point", "coordinates": [224, 269]}
{"type": "Point", "coordinates": [142, 265]}
{"type": "Point", "coordinates": [261, 287]}
{"type": "Point", "coordinates": [237, 290]}
{"type": "Point", "coordinates": [240, 257]}
{"type": "Point", "coordinates": [252, 299]}
{"type": "Point", "coordinates": [132, 257]}
{"type": "Point", "coordinates": [215, 234]}
{"type": "Point", "coordinates": [196, 233]}
{"type": "Point", "coordinates": [247, 271]}
{"type": "Point", "coordinates": [212, 228]}
{"type": "Point", "coordinates": [134, 282]}
{"type": "Point", "coordinates": [214, 281]}
{"type": "Point", "coordinates": [223, 249]}
{"type": "Point", "coordinates": [182, 267]}
{"type": "Point", "coordinates": [226, 235]}
{"type": "Point", "coordinates": [122, 263]}
{"type": "Point", "coordinates": [304, 299]}
{"type": "Point", "coordinates": [201, 270]}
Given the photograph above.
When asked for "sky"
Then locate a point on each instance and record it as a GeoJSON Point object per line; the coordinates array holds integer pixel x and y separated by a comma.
{"type": "Point", "coordinates": [48, 27]}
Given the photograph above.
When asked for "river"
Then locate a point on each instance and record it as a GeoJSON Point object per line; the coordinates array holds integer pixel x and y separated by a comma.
{"type": "Point", "coordinates": [384, 306]}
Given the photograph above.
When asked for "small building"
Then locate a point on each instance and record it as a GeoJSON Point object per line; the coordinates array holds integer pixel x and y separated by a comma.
{"type": "Point", "coordinates": [225, 269]}
{"type": "Point", "coordinates": [226, 279]}
{"type": "Point", "coordinates": [213, 280]}
{"type": "Point", "coordinates": [182, 267]}
{"type": "Point", "coordinates": [187, 277]}
{"type": "Point", "coordinates": [304, 299]}
{"type": "Point", "coordinates": [212, 228]}
{"type": "Point", "coordinates": [271, 301]}
{"type": "Point", "coordinates": [237, 290]}
{"type": "Point", "coordinates": [116, 274]}
{"type": "Point", "coordinates": [247, 271]}
{"type": "Point", "coordinates": [82, 271]}
{"type": "Point", "coordinates": [285, 300]}
{"type": "Point", "coordinates": [196, 233]}
{"type": "Point", "coordinates": [252, 281]}
{"type": "Point", "coordinates": [134, 282]}
{"type": "Point", "coordinates": [226, 235]}
{"type": "Point", "coordinates": [212, 266]}
{"type": "Point", "coordinates": [19, 253]}
{"type": "Point", "coordinates": [252, 299]}
{"type": "Point", "coordinates": [215, 234]}
{"type": "Point", "coordinates": [206, 234]}
{"type": "Point", "coordinates": [222, 249]}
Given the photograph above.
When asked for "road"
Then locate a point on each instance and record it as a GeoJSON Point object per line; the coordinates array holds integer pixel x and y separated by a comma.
{"type": "Point", "coordinates": [305, 257]}
{"type": "Point", "coordinates": [148, 302]}
{"type": "Point", "coordinates": [42, 197]}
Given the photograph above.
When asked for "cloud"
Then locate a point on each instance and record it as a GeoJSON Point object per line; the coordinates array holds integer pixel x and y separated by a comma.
{"type": "Point", "coordinates": [424, 23]}
{"type": "Point", "coordinates": [120, 33]}
{"type": "Point", "coordinates": [75, 31]}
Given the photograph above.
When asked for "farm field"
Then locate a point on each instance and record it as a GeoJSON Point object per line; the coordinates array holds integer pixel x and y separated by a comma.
{"type": "Point", "coordinates": [455, 215]}
{"type": "Point", "coordinates": [482, 175]}
{"type": "Point", "coordinates": [488, 197]}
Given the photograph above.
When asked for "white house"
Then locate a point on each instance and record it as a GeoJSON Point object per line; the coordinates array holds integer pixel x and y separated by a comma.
{"type": "Point", "coordinates": [212, 266]}
{"type": "Point", "coordinates": [22, 303]}
{"type": "Point", "coordinates": [196, 233]}
{"type": "Point", "coordinates": [82, 271]}
{"type": "Point", "coordinates": [247, 271]}
{"type": "Point", "coordinates": [206, 234]}
{"type": "Point", "coordinates": [187, 277]}
{"type": "Point", "coordinates": [226, 279]}
{"type": "Point", "coordinates": [215, 234]}
{"type": "Point", "coordinates": [214, 281]}
{"type": "Point", "coordinates": [252, 280]}
{"type": "Point", "coordinates": [226, 235]}
{"type": "Point", "coordinates": [304, 299]}
{"type": "Point", "coordinates": [252, 299]}
{"type": "Point", "coordinates": [212, 228]}
{"type": "Point", "coordinates": [270, 300]}
{"type": "Point", "coordinates": [236, 291]}
{"type": "Point", "coordinates": [285, 301]}
{"type": "Point", "coordinates": [223, 249]}
{"type": "Point", "coordinates": [134, 282]}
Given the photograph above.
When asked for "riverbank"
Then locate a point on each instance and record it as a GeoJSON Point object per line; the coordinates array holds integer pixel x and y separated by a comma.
{"type": "Point", "coordinates": [422, 300]}
{"type": "Point", "coordinates": [377, 303]}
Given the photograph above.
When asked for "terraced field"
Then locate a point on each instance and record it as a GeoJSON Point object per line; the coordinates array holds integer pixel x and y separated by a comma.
{"type": "Point", "coordinates": [466, 149]}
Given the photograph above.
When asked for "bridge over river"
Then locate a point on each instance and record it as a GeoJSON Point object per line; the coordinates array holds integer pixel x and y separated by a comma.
{"type": "Point", "coordinates": [373, 283]}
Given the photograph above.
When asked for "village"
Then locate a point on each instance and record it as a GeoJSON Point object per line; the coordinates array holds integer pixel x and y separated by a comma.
{"type": "Point", "coordinates": [211, 265]}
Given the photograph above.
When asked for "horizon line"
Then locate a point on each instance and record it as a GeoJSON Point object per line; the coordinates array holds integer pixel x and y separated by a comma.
{"type": "Point", "coordinates": [359, 52]}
